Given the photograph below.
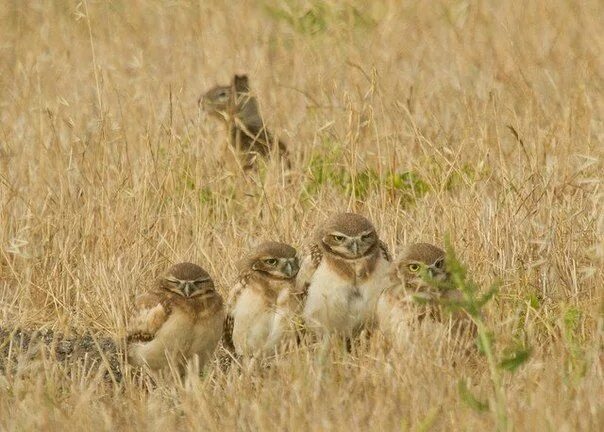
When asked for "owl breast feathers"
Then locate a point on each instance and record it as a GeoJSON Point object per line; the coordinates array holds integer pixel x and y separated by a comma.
{"type": "Point", "coordinates": [262, 307]}
{"type": "Point", "coordinates": [342, 275]}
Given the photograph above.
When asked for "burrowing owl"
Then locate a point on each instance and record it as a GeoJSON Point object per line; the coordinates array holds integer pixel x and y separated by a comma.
{"type": "Point", "coordinates": [262, 305]}
{"type": "Point", "coordinates": [343, 275]}
{"type": "Point", "coordinates": [180, 319]}
{"type": "Point", "coordinates": [418, 284]}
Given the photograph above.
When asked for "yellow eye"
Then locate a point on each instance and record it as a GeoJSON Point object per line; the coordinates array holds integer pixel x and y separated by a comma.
{"type": "Point", "coordinates": [414, 267]}
{"type": "Point", "coordinates": [440, 264]}
{"type": "Point", "coordinates": [338, 238]}
{"type": "Point", "coordinates": [271, 262]}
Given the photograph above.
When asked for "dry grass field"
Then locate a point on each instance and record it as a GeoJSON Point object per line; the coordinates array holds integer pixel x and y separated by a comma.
{"type": "Point", "coordinates": [481, 121]}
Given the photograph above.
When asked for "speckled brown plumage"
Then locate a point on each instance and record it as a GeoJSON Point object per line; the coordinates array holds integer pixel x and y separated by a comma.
{"type": "Point", "coordinates": [180, 318]}
{"type": "Point", "coordinates": [342, 274]}
{"type": "Point", "coordinates": [420, 290]}
{"type": "Point", "coordinates": [260, 299]}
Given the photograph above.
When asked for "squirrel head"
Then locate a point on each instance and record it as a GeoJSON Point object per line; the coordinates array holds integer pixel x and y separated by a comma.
{"type": "Point", "coordinates": [216, 100]}
{"type": "Point", "coordinates": [220, 101]}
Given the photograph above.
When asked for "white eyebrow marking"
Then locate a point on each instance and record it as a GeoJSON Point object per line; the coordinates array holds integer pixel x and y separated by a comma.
{"type": "Point", "coordinates": [201, 279]}
{"type": "Point", "coordinates": [338, 233]}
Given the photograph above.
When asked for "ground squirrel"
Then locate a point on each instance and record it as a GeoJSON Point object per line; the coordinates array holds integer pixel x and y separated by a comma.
{"type": "Point", "coordinates": [234, 105]}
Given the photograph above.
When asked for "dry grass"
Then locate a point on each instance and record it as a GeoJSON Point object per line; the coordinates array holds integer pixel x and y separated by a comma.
{"type": "Point", "coordinates": [109, 172]}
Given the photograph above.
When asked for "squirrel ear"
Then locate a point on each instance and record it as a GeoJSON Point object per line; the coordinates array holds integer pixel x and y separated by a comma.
{"type": "Point", "coordinates": [241, 83]}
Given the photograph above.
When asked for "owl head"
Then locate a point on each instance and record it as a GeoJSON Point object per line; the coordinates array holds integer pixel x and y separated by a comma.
{"type": "Point", "coordinates": [420, 266]}
{"type": "Point", "coordinates": [348, 236]}
{"type": "Point", "coordinates": [273, 260]}
{"type": "Point", "coordinates": [187, 280]}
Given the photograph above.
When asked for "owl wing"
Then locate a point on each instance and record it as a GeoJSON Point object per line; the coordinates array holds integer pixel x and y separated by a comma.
{"type": "Point", "coordinates": [384, 251]}
{"type": "Point", "coordinates": [309, 265]}
{"type": "Point", "coordinates": [150, 312]}
{"type": "Point", "coordinates": [229, 321]}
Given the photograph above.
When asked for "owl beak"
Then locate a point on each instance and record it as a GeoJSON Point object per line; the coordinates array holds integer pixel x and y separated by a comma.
{"type": "Point", "coordinates": [187, 289]}
{"type": "Point", "coordinates": [289, 270]}
{"type": "Point", "coordinates": [431, 272]}
{"type": "Point", "coordinates": [355, 247]}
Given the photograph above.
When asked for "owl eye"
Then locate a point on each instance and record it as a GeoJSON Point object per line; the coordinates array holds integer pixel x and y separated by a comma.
{"type": "Point", "coordinates": [367, 236]}
{"type": "Point", "coordinates": [414, 267]}
{"type": "Point", "coordinates": [439, 264]}
{"type": "Point", "coordinates": [338, 238]}
{"type": "Point", "coordinates": [271, 262]}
